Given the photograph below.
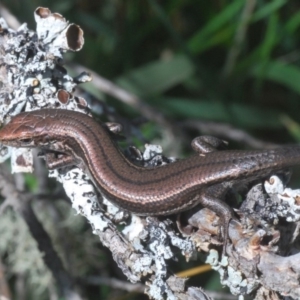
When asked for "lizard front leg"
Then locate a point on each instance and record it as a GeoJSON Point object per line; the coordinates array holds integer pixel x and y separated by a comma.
{"type": "Point", "coordinates": [56, 160]}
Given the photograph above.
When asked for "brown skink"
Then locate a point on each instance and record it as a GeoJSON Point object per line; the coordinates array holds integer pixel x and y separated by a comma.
{"type": "Point", "coordinates": [73, 138]}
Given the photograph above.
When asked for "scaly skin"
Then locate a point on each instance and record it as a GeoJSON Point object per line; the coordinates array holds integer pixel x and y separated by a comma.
{"type": "Point", "coordinates": [202, 178]}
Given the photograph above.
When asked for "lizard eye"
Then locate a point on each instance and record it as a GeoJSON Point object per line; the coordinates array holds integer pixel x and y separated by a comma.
{"type": "Point", "coordinates": [26, 141]}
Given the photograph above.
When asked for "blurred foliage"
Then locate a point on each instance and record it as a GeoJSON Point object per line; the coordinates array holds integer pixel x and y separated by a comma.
{"type": "Point", "coordinates": [234, 61]}
{"type": "Point", "coordinates": [229, 61]}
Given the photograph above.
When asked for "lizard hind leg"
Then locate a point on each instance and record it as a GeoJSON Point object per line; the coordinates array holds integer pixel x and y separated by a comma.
{"type": "Point", "coordinates": [114, 127]}
{"type": "Point", "coordinates": [205, 144]}
{"type": "Point", "coordinates": [211, 198]}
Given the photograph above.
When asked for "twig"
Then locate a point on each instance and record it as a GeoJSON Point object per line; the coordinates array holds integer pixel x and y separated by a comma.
{"type": "Point", "coordinates": [5, 293]}
{"type": "Point", "coordinates": [11, 20]}
{"type": "Point", "coordinates": [290, 57]}
{"type": "Point", "coordinates": [4, 205]}
{"type": "Point", "coordinates": [115, 283]}
{"type": "Point", "coordinates": [108, 87]}
{"type": "Point", "coordinates": [223, 296]}
{"type": "Point", "coordinates": [227, 131]}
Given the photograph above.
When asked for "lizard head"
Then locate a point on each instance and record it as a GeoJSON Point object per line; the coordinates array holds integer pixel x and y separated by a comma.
{"type": "Point", "coordinates": [25, 130]}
